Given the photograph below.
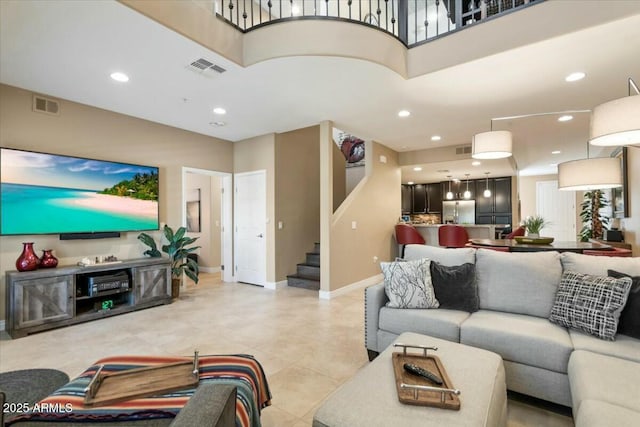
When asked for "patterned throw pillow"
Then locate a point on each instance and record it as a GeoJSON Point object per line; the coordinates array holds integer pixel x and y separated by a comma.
{"type": "Point", "coordinates": [590, 304]}
{"type": "Point", "coordinates": [408, 284]}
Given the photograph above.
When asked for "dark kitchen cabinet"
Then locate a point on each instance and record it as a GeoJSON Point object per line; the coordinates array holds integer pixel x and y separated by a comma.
{"type": "Point", "coordinates": [420, 198]}
{"type": "Point", "coordinates": [407, 199]}
{"type": "Point", "coordinates": [434, 198]}
{"type": "Point", "coordinates": [495, 209]}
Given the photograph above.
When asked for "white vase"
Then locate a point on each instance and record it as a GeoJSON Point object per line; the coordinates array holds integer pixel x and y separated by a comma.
{"type": "Point", "coordinates": [533, 235]}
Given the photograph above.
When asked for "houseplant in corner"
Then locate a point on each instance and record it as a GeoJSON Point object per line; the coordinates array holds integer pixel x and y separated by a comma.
{"type": "Point", "coordinates": [533, 225]}
{"type": "Point", "coordinates": [593, 219]}
{"type": "Point", "coordinates": [177, 248]}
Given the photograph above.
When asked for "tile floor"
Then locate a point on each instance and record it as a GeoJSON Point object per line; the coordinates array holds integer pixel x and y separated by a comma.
{"type": "Point", "coordinates": [307, 346]}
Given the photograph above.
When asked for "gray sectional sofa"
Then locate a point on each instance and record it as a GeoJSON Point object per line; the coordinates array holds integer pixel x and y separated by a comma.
{"type": "Point", "coordinates": [599, 379]}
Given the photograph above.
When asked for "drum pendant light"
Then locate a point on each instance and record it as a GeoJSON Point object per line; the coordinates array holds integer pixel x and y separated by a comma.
{"type": "Point", "coordinates": [487, 192]}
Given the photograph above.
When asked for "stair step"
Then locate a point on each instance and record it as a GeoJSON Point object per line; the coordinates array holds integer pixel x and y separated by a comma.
{"type": "Point", "coordinates": [303, 282]}
{"type": "Point", "coordinates": [307, 270]}
{"type": "Point", "coordinates": [313, 259]}
{"type": "Point", "coordinates": [316, 248]}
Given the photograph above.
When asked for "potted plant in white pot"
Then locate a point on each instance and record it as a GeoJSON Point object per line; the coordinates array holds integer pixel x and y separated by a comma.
{"type": "Point", "coordinates": [533, 225]}
{"type": "Point", "coordinates": [178, 249]}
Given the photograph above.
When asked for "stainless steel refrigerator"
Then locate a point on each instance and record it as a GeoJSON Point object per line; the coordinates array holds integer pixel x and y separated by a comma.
{"type": "Point", "coordinates": [459, 212]}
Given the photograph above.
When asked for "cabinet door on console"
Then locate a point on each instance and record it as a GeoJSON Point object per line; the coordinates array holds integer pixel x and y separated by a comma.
{"type": "Point", "coordinates": [151, 283]}
{"type": "Point", "coordinates": [42, 300]}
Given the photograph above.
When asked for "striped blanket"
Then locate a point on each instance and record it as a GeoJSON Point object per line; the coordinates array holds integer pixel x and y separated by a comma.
{"type": "Point", "coordinates": [242, 371]}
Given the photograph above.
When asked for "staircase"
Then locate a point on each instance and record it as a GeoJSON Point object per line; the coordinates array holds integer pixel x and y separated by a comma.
{"type": "Point", "coordinates": [308, 274]}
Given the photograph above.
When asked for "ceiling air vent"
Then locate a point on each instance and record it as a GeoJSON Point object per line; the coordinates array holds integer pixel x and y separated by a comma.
{"type": "Point", "coordinates": [463, 149]}
{"type": "Point", "coordinates": [205, 67]}
{"type": "Point", "coordinates": [45, 105]}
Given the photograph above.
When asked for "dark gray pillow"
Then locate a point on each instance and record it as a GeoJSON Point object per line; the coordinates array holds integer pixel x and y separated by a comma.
{"type": "Point", "coordinates": [455, 286]}
{"type": "Point", "coordinates": [629, 323]}
{"type": "Point", "coordinates": [591, 304]}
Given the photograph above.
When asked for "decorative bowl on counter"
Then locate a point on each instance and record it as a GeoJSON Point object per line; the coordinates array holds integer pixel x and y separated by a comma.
{"type": "Point", "coordinates": [534, 240]}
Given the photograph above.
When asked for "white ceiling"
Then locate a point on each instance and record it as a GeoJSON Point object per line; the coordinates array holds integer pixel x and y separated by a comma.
{"type": "Point", "coordinates": [67, 49]}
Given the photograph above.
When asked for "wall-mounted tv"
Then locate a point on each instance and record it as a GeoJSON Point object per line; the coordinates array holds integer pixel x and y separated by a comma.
{"type": "Point", "coordinates": [51, 194]}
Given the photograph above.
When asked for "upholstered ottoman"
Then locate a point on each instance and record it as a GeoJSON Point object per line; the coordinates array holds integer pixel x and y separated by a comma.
{"type": "Point", "coordinates": [370, 398]}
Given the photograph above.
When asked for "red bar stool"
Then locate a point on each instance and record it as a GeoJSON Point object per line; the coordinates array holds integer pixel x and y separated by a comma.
{"type": "Point", "coordinates": [452, 236]}
{"type": "Point", "coordinates": [408, 235]}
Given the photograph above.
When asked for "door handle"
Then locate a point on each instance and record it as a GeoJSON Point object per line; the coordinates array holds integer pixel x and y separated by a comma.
{"type": "Point", "coordinates": [259, 235]}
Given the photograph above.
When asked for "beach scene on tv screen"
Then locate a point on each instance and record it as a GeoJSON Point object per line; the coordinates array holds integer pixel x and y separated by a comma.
{"type": "Point", "coordinates": [46, 193]}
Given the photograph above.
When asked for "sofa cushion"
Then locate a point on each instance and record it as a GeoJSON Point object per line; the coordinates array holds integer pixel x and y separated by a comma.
{"type": "Point", "coordinates": [595, 413]}
{"type": "Point", "coordinates": [439, 323]}
{"type": "Point", "coordinates": [518, 338]}
{"type": "Point", "coordinates": [589, 303]}
{"type": "Point", "coordinates": [448, 257]}
{"type": "Point", "coordinates": [455, 286]}
{"type": "Point", "coordinates": [408, 284]}
{"type": "Point", "coordinates": [630, 318]}
{"type": "Point", "coordinates": [521, 283]}
{"type": "Point", "coordinates": [598, 266]}
{"type": "Point", "coordinates": [623, 347]}
{"type": "Point", "coordinates": [597, 377]}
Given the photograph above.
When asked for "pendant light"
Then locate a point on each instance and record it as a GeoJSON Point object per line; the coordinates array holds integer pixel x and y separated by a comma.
{"type": "Point", "coordinates": [449, 195]}
{"type": "Point", "coordinates": [616, 122]}
{"type": "Point", "coordinates": [467, 193]}
{"type": "Point", "coordinates": [590, 174]}
{"type": "Point", "coordinates": [487, 192]}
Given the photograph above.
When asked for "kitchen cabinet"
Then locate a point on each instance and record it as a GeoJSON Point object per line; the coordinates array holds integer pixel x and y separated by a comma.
{"type": "Point", "coordinates": [407, 199]}
{"type": "Point", "coordinates": [420, 198]}
{"type": "Point", "coordinates": [434, 198]}
{"type": "Point", "coordinates": [495, 209]}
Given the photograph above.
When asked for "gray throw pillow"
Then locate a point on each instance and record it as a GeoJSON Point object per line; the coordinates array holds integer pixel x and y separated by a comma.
{"type": "Point", "coordinates": [591, 304]}
{"type": "Point", "coordinates": [408, 284]}
{"type": "Point", "coordinates": [630, 318]}
{"type": "Point", "coordinates": [455, 287]}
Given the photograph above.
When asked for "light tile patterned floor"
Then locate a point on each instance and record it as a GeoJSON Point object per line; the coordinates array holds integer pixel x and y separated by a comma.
{"type": "Point", "coordinates": [307, 346]}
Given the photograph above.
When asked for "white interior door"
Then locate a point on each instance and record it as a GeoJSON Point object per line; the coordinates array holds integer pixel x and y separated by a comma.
{"type": "Point", "coordinates": [559, 209]}
{"type": "Point", "coordinates": [250, 227]}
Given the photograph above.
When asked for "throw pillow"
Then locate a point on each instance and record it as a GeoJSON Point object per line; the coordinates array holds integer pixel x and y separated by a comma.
{"type": "Point", "coordinates": [408, 284]}
{"type": "Point", "coordinates": [630, 318]}
{"type": "Point", "coordinates": [589, 303]}
{"type": "Point", "coordinates": [455, 287]}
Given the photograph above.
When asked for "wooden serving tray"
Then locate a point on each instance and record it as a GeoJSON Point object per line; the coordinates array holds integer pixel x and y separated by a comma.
{"type": "Point", "coordinates": [446, 399]}
{"type": "Point", "coordinates": [106, 389]}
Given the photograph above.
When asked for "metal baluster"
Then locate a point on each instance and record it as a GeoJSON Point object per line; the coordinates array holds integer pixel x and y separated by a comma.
{"type": "Point", "coordinates": [378, 12]}
{"type": "Point", "coordinates": [280, 16]}
{"type": "Point", "coordinates": [291, 8]}
{"type": "Point", "coordinates": [230, 6]}
{"type": "Point", "coordinates": [415, 19]}
{"type": "Point", "coordinates": [326, 2]}
{"type": "Point", "coordinates": [244, 13]}
{"type": "Point", "coordinates": [349, 4]}
{"type": "Point", "coordinates": [252, 13]}
{"type": "Point", "coordinates": [448, 15]}
{"type": "Point", "coordinates": [269, 4]}
{"type": "Point", "coordinates": [393, 19]}
{"type": "Point", "coordinates": [386, 15]}
{"type": "Point", "coordinates": [370, 11]}
{"type": "Point", "coordinates": [302, 7]}
{"type": "Point", "coordinates": [338, 8]}
{"type": "Point", "coordinates": [260, 10]}
{"type": "Point", "coordinates": [437, 16]}
{"type": "Point", "coordinates": [426, 20]}
{"type": "Point", "coordinates": [360, 11]}
{"type": "Point", "coordinates": [315, 8]}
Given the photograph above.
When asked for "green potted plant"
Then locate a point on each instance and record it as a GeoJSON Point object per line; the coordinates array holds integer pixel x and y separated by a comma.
{"type": "Point", "coordinates": [594, 221]}
{"type": "Point", "coordinates": [177, 248]}
{"type": "Point", "coordinates": [533, 225]}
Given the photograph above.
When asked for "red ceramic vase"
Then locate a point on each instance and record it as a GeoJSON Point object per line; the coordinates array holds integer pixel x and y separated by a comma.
{"type": "Point", "coordinates": [48, 260]}
{"type": "Point", "coordinates": [27, 260]}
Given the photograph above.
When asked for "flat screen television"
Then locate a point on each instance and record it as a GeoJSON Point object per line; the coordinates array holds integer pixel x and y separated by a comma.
{"type": "Point", "coordinates": [51, 194]}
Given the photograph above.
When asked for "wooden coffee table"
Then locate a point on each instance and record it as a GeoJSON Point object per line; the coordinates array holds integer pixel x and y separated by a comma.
{"type": "Point", "coordinates": [370, 397]}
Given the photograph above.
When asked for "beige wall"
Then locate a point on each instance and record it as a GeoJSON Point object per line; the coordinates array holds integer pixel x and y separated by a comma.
{"type": "Point", "coordinates": [354, 176]}
{"type": "Point", "coordinates": [255, 154]}
{"type": "Point", "coordinates": [86, 131]}
{"type": "Point", "coordinates": [209, 235]}
{"type": "Point", "coordinates": [297, 198]}
{"type": "Point", "coordinates": [339, 177]}
{"type": "Point", "coordinates": [374, 205]}
{"type": "Point", "coordinates": [631, 225]}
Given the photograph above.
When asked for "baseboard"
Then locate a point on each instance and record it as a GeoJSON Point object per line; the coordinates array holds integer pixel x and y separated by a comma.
{"type": "Point", "coordinates": [2, 323]}
{"type": "Point", "coordinates": [348, 288]}
{"type": "Point", "coordinates": [275, 285]}
{"type": "Point", "coordinates": [210, 269]}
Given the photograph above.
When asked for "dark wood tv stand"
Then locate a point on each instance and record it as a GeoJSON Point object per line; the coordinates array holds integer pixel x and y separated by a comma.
{"type": "Point", "coordinates": [50, 298]}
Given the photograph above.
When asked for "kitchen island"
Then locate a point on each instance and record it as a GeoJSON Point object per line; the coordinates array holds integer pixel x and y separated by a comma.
{"type": "Point", "coordinates": [479, 231]}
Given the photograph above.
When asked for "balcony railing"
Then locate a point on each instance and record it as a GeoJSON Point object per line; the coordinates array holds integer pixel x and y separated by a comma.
{"type": "Point", "coordinates": [411, 21]}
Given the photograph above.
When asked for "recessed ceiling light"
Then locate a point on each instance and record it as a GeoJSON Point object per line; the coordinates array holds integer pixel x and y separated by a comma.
{"type": "Point", "coordinates": [219, 110]}
{"type": "Point", "coordinates": [217, 124]}
{"type": "Point", "coordinates": [120, 77]}
{"type": "Point", "coordinates": [436, 138]}
{"type": "Point", "coordinates": [556, 152]}
{"type": "Point", "coordinates": [565, 118]}
{"type": "Point", "coordinates": [476, 163]}
{"type": "Point", "coordinates": [574, 77]}
{"type": "Point", "coordinates": [410, 182]}
{"type": "Point", "coordinates": [404, 113]}
{"type": "Point", "coordinates": [417, 169]}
